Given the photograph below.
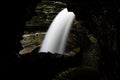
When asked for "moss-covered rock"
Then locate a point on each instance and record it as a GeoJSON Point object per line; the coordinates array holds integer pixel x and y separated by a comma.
{"type": "Point", "coordinates": [31, 41]}
{"type": "Point", "coordinates": [78, 73]}
{"type": "Point", "coordinates": [45, 13]}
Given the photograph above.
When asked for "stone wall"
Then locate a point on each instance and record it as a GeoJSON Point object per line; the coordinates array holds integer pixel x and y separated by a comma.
{"type": "Point", "coordinates": [45, 13]}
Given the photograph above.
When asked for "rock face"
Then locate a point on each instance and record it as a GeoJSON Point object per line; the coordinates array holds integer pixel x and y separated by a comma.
{"type": "Point", "coordinates": [101, 18]}
{"type": "Point", "coordinates": [45, 13]}
{"type": "Point", "coordinates": [31, 41]}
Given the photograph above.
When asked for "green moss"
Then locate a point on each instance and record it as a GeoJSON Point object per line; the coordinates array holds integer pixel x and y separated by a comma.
{"type": "Point", "coordinates": [92, 38]}
{"type": "Point", "coordinates": [78, 73]}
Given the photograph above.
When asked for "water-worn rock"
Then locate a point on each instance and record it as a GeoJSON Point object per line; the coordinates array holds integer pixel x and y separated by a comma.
{"type": "Point", "coordinates": [45, 13]}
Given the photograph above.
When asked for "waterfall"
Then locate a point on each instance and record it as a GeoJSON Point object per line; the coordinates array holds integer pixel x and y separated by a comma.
{"type": "Point", "coordinates": [56, 36]}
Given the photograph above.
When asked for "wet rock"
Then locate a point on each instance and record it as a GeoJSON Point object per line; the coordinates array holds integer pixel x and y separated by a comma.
{"type": "Point", "coordinates": [45, 13]}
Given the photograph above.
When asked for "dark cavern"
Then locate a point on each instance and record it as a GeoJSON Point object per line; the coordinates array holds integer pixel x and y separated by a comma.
{"type": "Point", "coordinates": [92, 47]}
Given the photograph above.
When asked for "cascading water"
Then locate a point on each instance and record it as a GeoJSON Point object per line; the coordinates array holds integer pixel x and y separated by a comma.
{"type": "Point", "coordinates": [56, 36]}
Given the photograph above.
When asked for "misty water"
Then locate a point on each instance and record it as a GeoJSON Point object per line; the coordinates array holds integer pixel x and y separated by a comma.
{"type": "Point", "coordinates": [56, 36]}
